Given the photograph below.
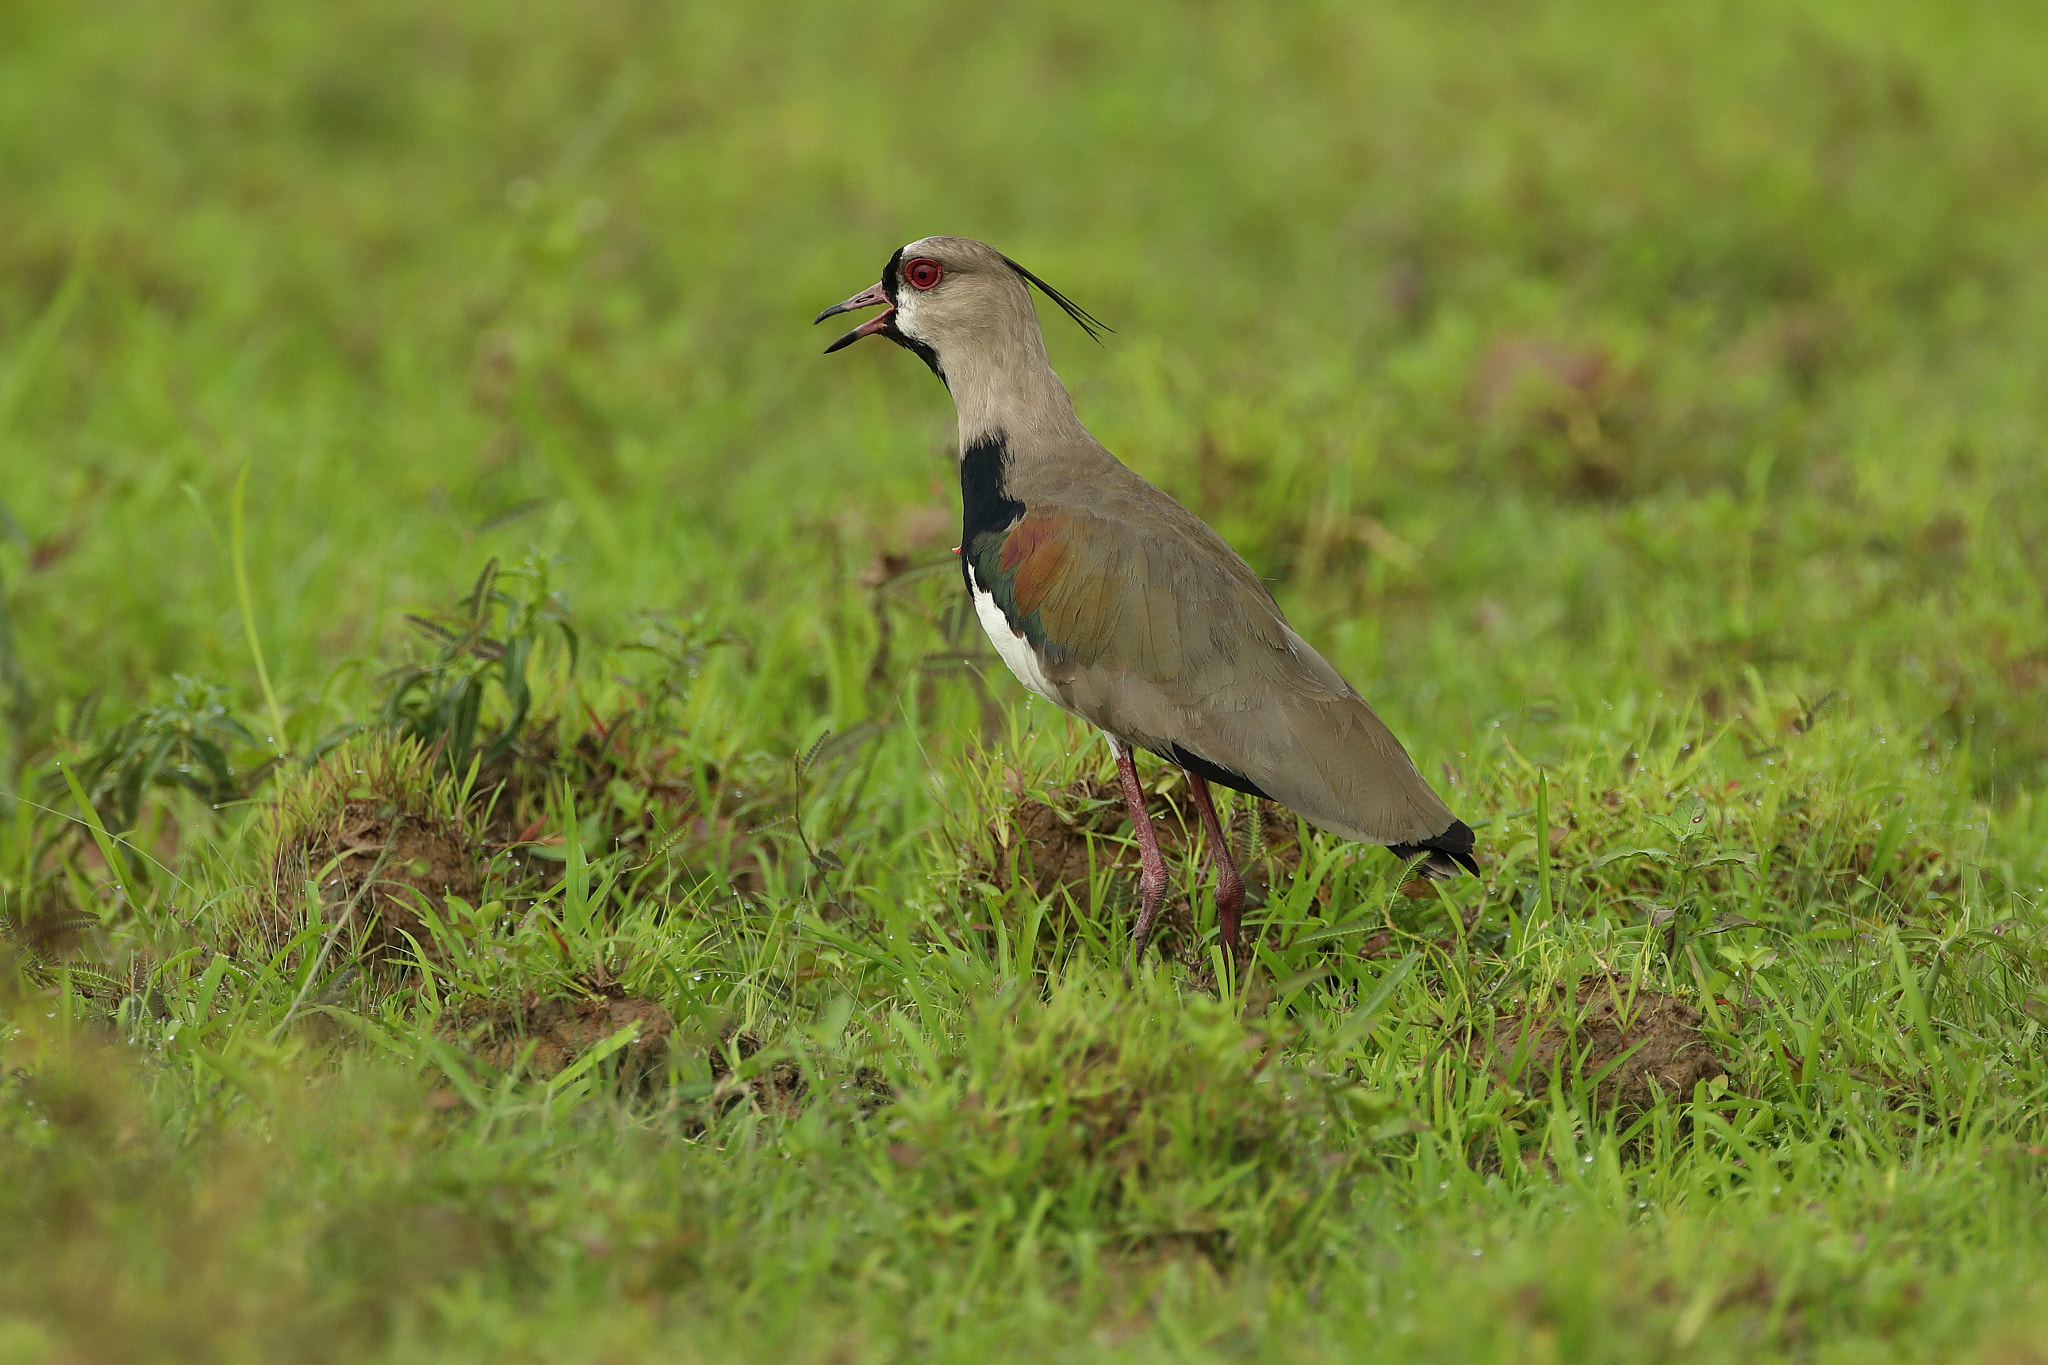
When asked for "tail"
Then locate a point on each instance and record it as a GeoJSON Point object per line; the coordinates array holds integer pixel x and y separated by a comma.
{"type": "Point", "coordinates": [1447, 852]}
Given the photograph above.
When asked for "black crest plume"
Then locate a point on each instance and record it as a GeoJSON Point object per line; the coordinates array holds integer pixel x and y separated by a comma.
{"type": "Point", "coordinates": [1086, 320]}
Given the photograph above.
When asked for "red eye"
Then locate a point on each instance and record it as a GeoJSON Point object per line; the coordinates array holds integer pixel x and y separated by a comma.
{"type": "Point", "coordinates": [922, 273]}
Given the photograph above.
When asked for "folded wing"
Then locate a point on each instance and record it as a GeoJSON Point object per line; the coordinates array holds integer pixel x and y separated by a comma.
{"type": "Point", "coordinates": [1167, 639]}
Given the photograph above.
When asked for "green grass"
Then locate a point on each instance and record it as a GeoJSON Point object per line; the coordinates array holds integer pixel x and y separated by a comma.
{"type": "Point", "coordinates": [1642, 403]}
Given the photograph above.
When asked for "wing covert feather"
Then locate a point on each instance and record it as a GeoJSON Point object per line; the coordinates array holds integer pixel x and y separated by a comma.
{"type": "Point", "coordinates": [1172, 648]}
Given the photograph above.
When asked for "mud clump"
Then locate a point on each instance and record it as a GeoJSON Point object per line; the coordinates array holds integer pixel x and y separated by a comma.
{"type": "Point", "coordinates": [381, 862]}
{"type": "Point", "coordinates": [779, 1090]}
{"type": "Point", "coordinates": [868, 1090]}
{"type": "Point", "coordinates": [782, 1090]}
{"type": "Point", "coordinates": [560, 1030]}
{"type": "Point", "coordinates": [377, 833]}
{"type": "Point", "coordinates": [645, 793]}
{"type": "Point", "coordinates": [374, 863]}
{"type": "Point", "coordinates": [1581, 1034]}
{"type": "Point", "coordinates": [1060, 841]}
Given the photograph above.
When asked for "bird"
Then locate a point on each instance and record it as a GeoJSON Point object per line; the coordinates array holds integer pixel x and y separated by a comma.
{"type": "Point", "coordinates": [1108, 598]}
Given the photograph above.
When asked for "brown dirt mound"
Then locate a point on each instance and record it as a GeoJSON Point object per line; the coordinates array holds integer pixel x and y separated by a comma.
{"type": "Point", "coordinates": [562, 1030]}
{"type": "Point", "coordinates": [781, 1089]}
{"type": "Point", "coordinates": [645, 792]}
{"type": "Point", "coordinates": [1057, 837]}
{"type": "Point", "coordinates": [868, 1090]}
{"type": "Point", "coordinates": [1584, 1033]}
{"type": "Point", "coordinates": [374, 860]}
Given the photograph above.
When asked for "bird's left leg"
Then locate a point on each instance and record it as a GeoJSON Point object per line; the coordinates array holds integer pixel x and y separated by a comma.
{"type": "Point", "coordinates": [1229, 884]}
{"type": "Point", "coordinates": [1151, 863]}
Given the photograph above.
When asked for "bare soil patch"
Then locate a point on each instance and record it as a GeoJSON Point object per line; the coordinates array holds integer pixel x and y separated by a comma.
{"type": "Point", "coordinates": [645, 792]}
{"type": "Point", "coordinates": [373, 862]}
{"type": "Point", "coordinates": [1658, 1036]}
{"type": "Point", "coordinates": [1062, 839]}
{"type": "Point", "coordinates": [780, 1089]}
{"type": "Point", "coordinates": [560, 1030]}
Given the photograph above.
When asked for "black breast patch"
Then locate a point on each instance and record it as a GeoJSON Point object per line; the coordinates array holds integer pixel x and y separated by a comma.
{"type": "Point", "coordinates": [986, 507]}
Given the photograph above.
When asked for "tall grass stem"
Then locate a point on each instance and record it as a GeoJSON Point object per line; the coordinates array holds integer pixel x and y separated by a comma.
{"type": "Point", "coordinates": [240, 563]}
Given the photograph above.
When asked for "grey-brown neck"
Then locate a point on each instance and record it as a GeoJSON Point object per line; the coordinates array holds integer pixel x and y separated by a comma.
{"type": "Point", "coordinates": [983, 333]}
{"type": "Point", "coordinates": [1009, 386]}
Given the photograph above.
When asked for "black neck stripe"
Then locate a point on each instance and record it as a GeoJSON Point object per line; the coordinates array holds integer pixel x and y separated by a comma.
{"type": "Point", "coordinates": [986, 506]}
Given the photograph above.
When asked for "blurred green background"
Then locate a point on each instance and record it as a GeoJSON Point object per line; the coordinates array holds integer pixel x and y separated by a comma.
{"type": "Point", "coordinates": [1532, 350]}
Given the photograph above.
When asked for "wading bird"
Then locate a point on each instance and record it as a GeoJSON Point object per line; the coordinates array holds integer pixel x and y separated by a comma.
{"type": "Point", "coordinates": [1117, 604]}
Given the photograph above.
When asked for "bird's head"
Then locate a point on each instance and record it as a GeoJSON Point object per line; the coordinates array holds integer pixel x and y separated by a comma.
{"type": "Point", "coordinates": [947, 297]}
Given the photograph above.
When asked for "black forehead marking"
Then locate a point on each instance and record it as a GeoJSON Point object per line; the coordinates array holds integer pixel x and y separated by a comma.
{"type": "Point", "coordinates": [891, 273]}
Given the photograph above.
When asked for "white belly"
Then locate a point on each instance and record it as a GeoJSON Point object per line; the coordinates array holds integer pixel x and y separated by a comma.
{"type": "Point", "coordinates": [1014, 648]}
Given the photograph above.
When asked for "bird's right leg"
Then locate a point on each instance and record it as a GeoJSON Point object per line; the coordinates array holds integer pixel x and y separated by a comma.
{"type": "Point", "coordinates": [1151, 864]}
{"type": "Point", "coordinates": [1229, 882]}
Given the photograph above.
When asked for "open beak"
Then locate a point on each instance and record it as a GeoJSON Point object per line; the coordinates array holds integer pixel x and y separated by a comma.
{"type": "Point", "coordinates": [866, 298]}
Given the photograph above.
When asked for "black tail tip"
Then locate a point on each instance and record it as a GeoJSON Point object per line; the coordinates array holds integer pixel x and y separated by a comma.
{"type": "Point", "coordinates": [1447, 852]}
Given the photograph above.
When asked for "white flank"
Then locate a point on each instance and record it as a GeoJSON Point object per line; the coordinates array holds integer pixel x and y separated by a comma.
{"type": "Point", "coordinates": [1015, 649]}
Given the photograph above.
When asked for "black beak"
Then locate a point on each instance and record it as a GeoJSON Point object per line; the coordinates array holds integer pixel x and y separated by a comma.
{"type": "Point", "coordinates": [867, 298]}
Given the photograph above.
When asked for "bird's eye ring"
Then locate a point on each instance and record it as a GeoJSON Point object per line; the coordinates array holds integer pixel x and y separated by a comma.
{"type": "Point", "coordinates": [922, 273]}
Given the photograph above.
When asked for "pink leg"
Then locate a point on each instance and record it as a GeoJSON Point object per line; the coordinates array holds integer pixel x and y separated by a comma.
{"type": "Point", "coordinates": [1151, 865]}
{"type": "Point", "coordinates": [1229, 885]}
